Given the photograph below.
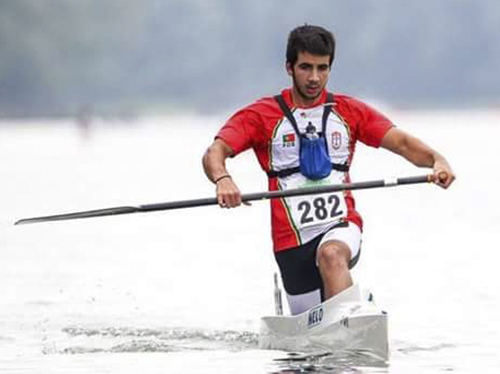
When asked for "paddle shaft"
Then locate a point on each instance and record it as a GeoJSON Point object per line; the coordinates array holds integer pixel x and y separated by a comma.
{"type": "Point", "coordinates": [245, 198]}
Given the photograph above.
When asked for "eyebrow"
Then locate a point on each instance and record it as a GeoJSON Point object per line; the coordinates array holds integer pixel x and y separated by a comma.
{"type": "Point", "coordinates": [307, 64]}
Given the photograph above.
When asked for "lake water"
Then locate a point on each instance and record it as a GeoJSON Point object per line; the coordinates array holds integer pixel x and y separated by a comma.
{"type": "Point", "coordinates": [183, 291]}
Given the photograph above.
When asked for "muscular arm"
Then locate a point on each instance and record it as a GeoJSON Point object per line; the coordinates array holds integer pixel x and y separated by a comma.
{"type": "Point", "coordinates": [419, 154]}
{"type": "Point", "coordinates": [214, 165]}
{"type": "Point", "coordinates": [214, 159]}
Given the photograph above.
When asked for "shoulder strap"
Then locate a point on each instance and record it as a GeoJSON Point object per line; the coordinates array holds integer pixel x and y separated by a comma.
{"type": "Point", "coordinates": [287, 112]}
{"type": "Point", "coordinates": [326, 112]}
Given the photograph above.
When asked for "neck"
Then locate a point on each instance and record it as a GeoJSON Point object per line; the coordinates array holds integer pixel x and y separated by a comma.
{"type": "Point", "coordinates": [302, 102]}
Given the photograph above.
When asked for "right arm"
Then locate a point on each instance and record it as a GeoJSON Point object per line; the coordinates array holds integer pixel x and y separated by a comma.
{"type": "Point", "coordinates": [214, 165]}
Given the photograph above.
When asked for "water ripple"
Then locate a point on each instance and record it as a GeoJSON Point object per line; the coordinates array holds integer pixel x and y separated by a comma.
{"type": "Point", "coordinates": [431, 348]}
{"type": "Point", "coordinates": [129, 339]}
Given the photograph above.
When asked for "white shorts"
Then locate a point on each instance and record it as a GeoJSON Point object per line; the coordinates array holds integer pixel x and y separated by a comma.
{"type": "Point", "coordinates": [350, 235]}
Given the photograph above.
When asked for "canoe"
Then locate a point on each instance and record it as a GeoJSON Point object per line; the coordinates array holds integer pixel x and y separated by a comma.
{"type": "Point", "coordinates": [349, 321]}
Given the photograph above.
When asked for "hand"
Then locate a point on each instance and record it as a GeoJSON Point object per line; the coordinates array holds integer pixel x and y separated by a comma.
{"type": "Point", "coordinates": [228, 194]}
{"type": "Point", "coordinates": [443, 176]}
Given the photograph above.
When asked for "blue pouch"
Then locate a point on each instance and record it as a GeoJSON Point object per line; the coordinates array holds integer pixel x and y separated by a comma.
{"type": "Point", "coordinates": [314, 159]}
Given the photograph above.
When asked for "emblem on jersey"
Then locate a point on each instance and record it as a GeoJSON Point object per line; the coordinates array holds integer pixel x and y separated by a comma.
{"type": "Point", "coordinates": [289, 140]}
{"type": "Point", "coordinates": [336, 140]}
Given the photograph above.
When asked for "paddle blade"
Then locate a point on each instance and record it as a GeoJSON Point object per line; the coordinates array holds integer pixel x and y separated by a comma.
{"type": "Point", "coordinates": [78, 215]}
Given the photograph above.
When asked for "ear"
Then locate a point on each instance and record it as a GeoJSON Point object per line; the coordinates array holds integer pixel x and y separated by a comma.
{"type": "Point", "coordinates": [289, 69]}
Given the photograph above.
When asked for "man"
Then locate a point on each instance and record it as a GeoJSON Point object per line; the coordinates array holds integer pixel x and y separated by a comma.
{"type": "Point", "coordinates": [316, 238]}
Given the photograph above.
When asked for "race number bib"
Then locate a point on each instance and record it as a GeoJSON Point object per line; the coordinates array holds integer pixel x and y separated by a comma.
{"type": "Point", "coordinates": [314, 210]}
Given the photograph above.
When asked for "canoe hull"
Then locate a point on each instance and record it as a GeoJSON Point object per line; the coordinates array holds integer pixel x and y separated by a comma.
{"type": "Point", "coordinates": [349, 321]}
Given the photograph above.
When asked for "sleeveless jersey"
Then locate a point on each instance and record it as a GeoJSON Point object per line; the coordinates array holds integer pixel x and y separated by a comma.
{"type": "Point", "coordinates": [264, 127]}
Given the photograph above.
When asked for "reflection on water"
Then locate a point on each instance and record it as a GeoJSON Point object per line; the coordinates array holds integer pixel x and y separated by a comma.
{"type": "Point", "coordinates": [330, 362]}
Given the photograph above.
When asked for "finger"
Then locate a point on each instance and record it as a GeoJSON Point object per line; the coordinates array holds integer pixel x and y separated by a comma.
{"type": "Point", "coordinates": [238, 199]}
{"type": "Point", "coordinates": [442, 177]}
{"type": "Point", "coordinates": [221, 200]}
{"type": "Point", "coordinates": [227, 200]}
{"type": "Point", "coordinates": [437, 177]}
{"type": "Point", "coordinates": [233, 199]}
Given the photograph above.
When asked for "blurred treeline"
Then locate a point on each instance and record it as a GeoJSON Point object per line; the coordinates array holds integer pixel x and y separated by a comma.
{"type": "Point", "coordinates": [59, 56]}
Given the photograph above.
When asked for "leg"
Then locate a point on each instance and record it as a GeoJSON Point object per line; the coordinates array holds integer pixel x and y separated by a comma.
{"type": "Point", "coordinates": [300, 276]}
{"type": "Point", "coordinates": [333, 261]}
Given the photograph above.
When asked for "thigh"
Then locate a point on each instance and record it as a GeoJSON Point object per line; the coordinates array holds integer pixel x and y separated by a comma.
{"type": "Point", "coordinates": [299, 272]}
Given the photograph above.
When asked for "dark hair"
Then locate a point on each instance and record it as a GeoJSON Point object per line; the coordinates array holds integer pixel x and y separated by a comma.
{"type": "Point", "coordinates": [312, 39]}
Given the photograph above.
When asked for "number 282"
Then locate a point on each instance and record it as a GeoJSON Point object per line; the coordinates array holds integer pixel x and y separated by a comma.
{"type": "Point", "coordinates": [319, 209]}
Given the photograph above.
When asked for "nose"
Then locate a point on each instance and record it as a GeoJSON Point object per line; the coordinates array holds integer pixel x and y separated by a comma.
{"type": "Point", "coordinates": [314, 77]}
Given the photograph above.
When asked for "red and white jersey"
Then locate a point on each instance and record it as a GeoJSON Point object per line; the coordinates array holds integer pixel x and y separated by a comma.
{"type": "Point", "coordinates": [263, 127]}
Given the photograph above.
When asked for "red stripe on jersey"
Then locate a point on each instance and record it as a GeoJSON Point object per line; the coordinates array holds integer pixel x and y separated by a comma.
{"type": "Point", "coordinates": [283, 231]}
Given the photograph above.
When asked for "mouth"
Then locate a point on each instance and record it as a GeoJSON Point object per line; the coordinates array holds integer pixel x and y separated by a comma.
{"type": "Point", "coordinates": [312, 89]}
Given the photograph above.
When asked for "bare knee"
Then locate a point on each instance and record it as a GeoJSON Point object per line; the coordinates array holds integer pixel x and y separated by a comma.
{"type": "Point", "coordinates": [334, 256]}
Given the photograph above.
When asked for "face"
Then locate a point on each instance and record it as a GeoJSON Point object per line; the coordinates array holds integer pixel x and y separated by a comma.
{"type": "Point", "coordinates": [310, 75]}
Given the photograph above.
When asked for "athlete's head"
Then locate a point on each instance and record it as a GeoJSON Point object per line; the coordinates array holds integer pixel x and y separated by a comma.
{"type": "Point", "coordinates": [309, 57]}
{"type": "Point", "coordinates": [312, 39]}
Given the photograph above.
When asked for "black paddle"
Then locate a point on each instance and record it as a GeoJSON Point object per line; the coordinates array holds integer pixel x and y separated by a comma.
{"type": "Point", "coordinates": [245, 198]}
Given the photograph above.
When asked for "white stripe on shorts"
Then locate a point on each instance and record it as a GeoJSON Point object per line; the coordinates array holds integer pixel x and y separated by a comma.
{"type": "Point", "coordinates": [303, 302]}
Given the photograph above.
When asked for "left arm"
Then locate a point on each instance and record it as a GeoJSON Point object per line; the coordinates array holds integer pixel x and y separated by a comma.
{"type": "Point", "coordinates": [419, 154]}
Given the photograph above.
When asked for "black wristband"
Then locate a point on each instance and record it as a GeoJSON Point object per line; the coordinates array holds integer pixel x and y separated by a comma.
{"type": "Point", "coordinates": [222, 177]}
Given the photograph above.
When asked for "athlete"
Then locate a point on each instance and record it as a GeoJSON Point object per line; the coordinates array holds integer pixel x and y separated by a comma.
{"type": "Point", "coordinates": [316, 238]}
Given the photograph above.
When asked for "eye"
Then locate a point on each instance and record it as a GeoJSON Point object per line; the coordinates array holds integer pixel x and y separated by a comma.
{"type": "Point", "coordinates": [305, 66]}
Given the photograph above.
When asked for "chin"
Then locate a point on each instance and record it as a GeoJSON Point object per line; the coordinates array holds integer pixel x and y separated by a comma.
{"type": "Point", "coordinates": [314, 97]}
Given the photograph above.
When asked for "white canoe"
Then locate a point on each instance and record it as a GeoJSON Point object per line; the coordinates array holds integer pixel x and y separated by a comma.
{"type": "Point", "coordinates": [350, 321]}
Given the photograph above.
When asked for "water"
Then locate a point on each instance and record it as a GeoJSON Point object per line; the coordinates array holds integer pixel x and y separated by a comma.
{"type": "Point", "coordinates": [183, 291]}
